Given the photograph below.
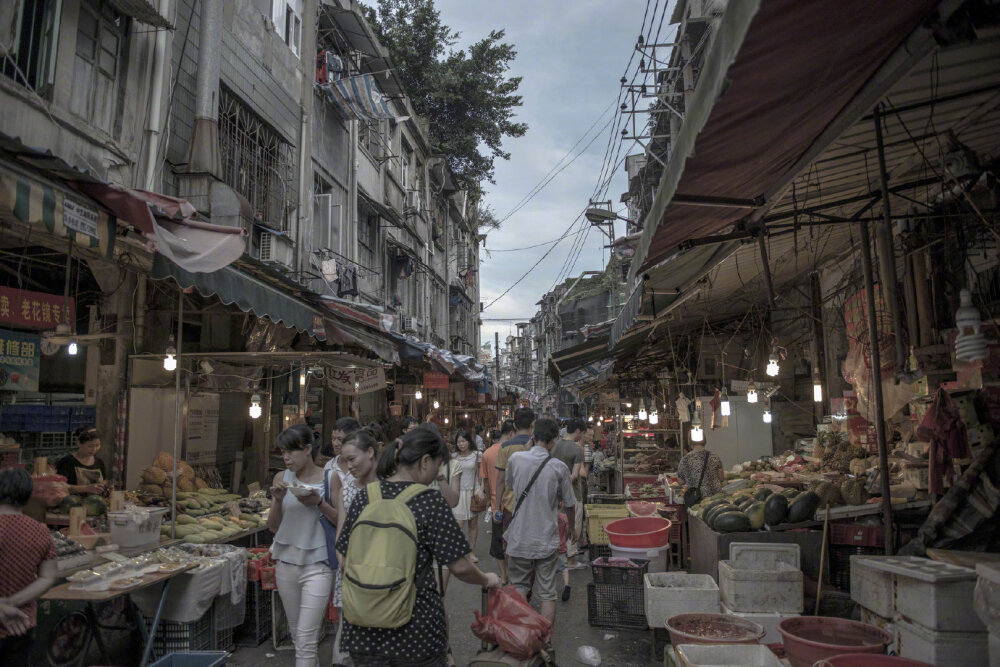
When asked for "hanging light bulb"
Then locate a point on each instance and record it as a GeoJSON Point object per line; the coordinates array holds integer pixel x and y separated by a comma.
{"type": "Point", "coordinates": [590, 418]}
{"type": "Point", "coordinates": [445, 420]}
{"type": "Point", "coordinates": [817, 387]}
{"type": "Point", "coordinates": [357, 384]}
{"type": "Point", "coordinates": [418, 394]}
{"type": "Point", "coordinates": [751, 392]}
{"type": "Point", "coordinates": [72, 348]}
{"type": "Point", "coordinates": [302, 378]}
{"type": "Point", "coordinates": [466, 415]}
{"type": "Point", "coordinates": [724, 408]}
{"type": "Point", "coordinates": [642, 410]}
{"type": "Point", "coordinates": [697, 434]}
{"type": "Point", "coordinates": [970, 343]}
{"type": "Point", "coordinates": [170, 361]}
{"type": "Point", "coordinates": [628, 404]}
{"type": "Point", "coordinates": [255, 410]}
{"type": "Point", "coordinates": [437, 404]}
{"type": "Point", "coordinates": [767, 416]}
{"type": "Point", "coordinates": [654, 418]}
{"type": "Point", "coordinates": [772, 363]}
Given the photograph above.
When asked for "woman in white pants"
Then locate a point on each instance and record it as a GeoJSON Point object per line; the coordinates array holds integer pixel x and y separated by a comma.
{"type": "Point", "coordinates": [302, 572]}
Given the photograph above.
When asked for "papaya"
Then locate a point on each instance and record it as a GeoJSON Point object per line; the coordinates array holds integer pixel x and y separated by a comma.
{"type": "Point", "coordinates": [803, 507]}
{"type": "Point", "coordinates": [775, 509]}
{"type": "Point", "coordinates": [188, 530]}
{"type": "Point", "coordinates": [185, 520]}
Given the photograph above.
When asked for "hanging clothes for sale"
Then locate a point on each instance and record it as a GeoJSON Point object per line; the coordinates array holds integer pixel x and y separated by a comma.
{"type": "Point", "coordinates": [347, 281]}
{"type": "Point", "coordinates": [717, 418]}
{"type": "Point", "coordinates": [944, 429]}
{"type": "Point", "coordinates": [683, 404]}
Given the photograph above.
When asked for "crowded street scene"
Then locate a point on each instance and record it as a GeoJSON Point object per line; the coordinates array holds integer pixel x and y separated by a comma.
{"type": "Point", "coordinates": [433, 333]}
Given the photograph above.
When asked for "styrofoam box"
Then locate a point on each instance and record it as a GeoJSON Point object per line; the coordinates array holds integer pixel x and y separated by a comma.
{"type": "Point", "coordinates": [942, 649]}
{"type": "Point", "coordinates": [986, 598]}
{"type": "Point", "coordinates": [933, 594]}
{"type": "Point", "coordinates": [994, 650]}
{"type": "Point", "coordinates": [670, 593]}
{"type": "Point", "coordinates": [704, 655]}
{"type": "Point", "coordinates": [871, 588]}
{"type": "Point", "coordinates": [763, 578]}
{"type": "Point", "coordinates": [126, 533]}
{"type": "Point", "coordinates": [767, 621]}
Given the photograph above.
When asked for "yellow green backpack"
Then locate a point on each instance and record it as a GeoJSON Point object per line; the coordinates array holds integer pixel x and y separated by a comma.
{"type": "Point", "coordinates": [380, 569]}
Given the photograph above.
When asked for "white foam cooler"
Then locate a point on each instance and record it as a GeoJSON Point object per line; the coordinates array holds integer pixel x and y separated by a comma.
{"type": "Point", "coordinates": [667, 594]}
{"type": "Point", "coordinates": [657, 556]}
{"type": "Point", "coordinates": [762, 578]}
{"type": "Point", "coordinates": [768, 621]}
{"type": "Point", "coordinates": [942, 649]}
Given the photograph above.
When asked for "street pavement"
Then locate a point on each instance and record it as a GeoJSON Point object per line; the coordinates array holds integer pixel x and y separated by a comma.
{"type": "Point", "coordinates": [618, 648]}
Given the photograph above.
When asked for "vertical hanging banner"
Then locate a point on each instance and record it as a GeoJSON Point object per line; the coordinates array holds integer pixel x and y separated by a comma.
{"type": "Point", "coordinates": [34, 310]}
{"type": "Point", "coordinates": [20, 360]}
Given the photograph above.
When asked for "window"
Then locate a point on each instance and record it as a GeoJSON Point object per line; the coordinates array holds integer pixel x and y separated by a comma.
{"type": "Point", "coordinates": [327, 213]}
{"type": "Point", "coordinates": [31, 60]}
{"type": "Point", "coordinates": [256, 162]}
{"type": "Point", "coordinates": [287, 17]}
{"type": "Point", "coordinates": [367, 238]}
{"type": "Point", "coordinates": [97, 67]}
{"type": "Point", "coordinates": [370, 138]}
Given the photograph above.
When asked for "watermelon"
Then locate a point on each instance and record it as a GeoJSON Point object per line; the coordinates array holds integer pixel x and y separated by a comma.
{"type": "Point", "coordinates": [731, 522]}
{"type": "Point", "coordinates": [95, 506]}
{"type": "Point", "coordinates": [788, 493]}
{"type": "Point", "coordinates": [68, 503]}
{"type": "Point", "coordinates": [775, 509]}
{"type": "Point", "coordinates": [710, 516]}
{"type": "Point", "coordinates": [756, 515]}
{"type": "Point", "coordinates": [762, 493]}
{"type": "Point", "coordinates": [803, 507]}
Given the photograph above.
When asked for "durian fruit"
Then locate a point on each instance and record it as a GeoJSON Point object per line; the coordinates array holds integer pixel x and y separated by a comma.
{"type": "Point", "coordinates": [200, 483]}
{"type": "Point", "coordinates": [164, 462]}
{"type": "Point", "coordinates": [153, 475]}
{"type": "Point", "coordinates": [184, 470]}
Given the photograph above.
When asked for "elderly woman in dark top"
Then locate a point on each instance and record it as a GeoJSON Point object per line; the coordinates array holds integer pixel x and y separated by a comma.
{"type": "Point", "coordinates": [699, 459]}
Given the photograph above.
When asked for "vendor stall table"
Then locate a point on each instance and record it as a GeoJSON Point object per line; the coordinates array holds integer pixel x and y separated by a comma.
{"type": "Point", "coordinates": [709, 547]}
{"type": "Point", "coordinates": [251, 533]}
{"type": "Point", "coordinates": [855, 511]}
{"type": "Point", "coordinates": [64, 592]}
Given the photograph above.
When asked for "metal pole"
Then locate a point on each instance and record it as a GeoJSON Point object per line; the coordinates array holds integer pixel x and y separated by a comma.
{"type": "Point", "coordinates": [884, 248]}
{"type": "Point", "coordinates": [496, 353]}
{"type": "Point", "coordinates": [876, 366]}
{"type": "Point", "coordinates": [762, 244]}
{"type": "Point", "coordinates": [177, 410]}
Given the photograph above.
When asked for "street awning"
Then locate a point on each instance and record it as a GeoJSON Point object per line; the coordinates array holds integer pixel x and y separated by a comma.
{"type": "Point", "coordinates": [359, 98]}
{"type": "Point", "coordinates": [141, 10]}
{"type": "Point", "coordinates": [578, 356]}
{"type": "Point", "coordinates": [777, 77]}
{"type": "Point", "coordinates": [246, 292]}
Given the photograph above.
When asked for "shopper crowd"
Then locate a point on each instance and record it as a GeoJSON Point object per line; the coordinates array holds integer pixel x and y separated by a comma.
{"type": "Point", "coordinates": [380, 525]}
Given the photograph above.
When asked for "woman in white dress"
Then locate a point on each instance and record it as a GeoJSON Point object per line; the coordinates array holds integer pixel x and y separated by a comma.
{"type": "Point", "coordinates": [468, 461]}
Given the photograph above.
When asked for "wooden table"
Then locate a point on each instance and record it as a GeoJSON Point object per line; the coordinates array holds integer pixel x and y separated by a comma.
{"type": "Point", "coordinates": [64, 592]}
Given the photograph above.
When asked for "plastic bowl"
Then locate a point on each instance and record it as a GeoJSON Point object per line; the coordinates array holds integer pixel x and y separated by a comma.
{"type": "Point", "coordinates": [713, 629]}
{"type": "Point", "coordinates": [811, 638]}
{"type": "Point", "coordinates": [868, 660]}
{"type": "Point", "coordinates": [641, 508]}
{"type": "Point", "coordinates": [638, 533]}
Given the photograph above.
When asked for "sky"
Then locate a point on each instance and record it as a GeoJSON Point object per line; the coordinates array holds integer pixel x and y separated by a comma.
{"type": "Point", "coordinates": [571, 55]}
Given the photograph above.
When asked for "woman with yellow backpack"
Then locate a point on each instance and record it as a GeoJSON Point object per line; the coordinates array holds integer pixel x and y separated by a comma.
{"type": "Point", "coordinates": [394, 530]}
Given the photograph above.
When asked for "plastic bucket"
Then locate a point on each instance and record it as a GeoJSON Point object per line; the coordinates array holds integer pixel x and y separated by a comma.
{"type": "Point", "coordinates": [657, 557]}
{"type": "Point", "coordinates": [712, 629]}
{"type": "Point", "coordinates": [811, 638]}
{"type": "Point", "coordinates": [640, 508]}
{"type": "Point", "coordinates": [638, 533]}
{"type": "Point", "coordinates": [868, 660]}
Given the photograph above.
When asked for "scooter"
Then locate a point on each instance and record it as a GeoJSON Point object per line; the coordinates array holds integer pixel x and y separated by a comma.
{"type": "Point", "coordinates": [494, 656]}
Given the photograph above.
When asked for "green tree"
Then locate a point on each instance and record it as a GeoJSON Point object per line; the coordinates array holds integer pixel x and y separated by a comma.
{"type": "Point", "coordinates": [467, 95]}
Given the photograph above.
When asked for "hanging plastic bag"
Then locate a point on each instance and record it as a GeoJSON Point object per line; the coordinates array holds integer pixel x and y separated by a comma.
{"type": "Point", "coordinates": [513, 624]}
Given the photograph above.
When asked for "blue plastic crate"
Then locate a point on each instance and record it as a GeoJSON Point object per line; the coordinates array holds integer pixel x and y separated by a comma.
{"type": "Point", "coordinates": [196, 659]}
{"type": "Point", "coordinates": [59, 412]}
{"type": "Point", "coordinates": [83, 412]}
{"type": "Point", "coordinates": [11, 422]}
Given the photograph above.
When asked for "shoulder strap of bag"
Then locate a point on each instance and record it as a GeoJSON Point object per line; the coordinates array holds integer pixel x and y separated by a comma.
{"type": "Point", "coordinates": [374, 492]}
{"type": "Point", "coordinates": [531, 482]}
{"type": "Point", "coordinates": [411, 492]}
{"type": "Point", "coordinates": [704, 466]}
{"type": "Point", "coordinates": [326, 487]}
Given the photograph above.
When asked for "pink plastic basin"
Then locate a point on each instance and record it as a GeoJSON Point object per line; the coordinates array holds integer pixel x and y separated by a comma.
{"type": "Point", "coordinates": [812, 638]}
{"type": "Point", "coordinates": [868, 660]}
{"type": "Point", "coordinates": [638, 533]}
{"type": "Point", "coordinates": [704, 628]}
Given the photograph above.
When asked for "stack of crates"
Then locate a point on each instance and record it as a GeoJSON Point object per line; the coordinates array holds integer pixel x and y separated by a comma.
{"type": "Point", "coordinates": [616, 598]}
{"type": "Point", "coordinates": [174, 637]}
{"type": "Point", "coordinates": [600, 515]}
{"type": "Point", "coordinates": [256, 626]}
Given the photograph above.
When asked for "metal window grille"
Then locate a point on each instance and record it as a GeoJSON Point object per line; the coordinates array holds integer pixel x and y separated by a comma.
{"type": "Point", "coordinates": [256, 162]}
{"type": "Point", "coordinates": [31, 59]}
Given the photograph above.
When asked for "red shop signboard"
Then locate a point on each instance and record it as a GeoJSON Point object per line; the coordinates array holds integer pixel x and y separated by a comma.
{"type": "Point", "coordinates": [435, 380]}
{"type": "Point", "coordinates": [35, 310]}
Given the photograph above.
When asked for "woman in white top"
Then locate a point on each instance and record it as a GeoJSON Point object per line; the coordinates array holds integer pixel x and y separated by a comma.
{"type": "Point", "coordinates": [468, 460]}
{"type": "Point", "coordinates": [302, 572]}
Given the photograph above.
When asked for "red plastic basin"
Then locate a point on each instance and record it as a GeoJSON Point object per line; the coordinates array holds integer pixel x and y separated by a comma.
{"type": "Point", "coordinates": [640, 508]}
{"type": "Point", "coordinates": [868, 660]}
{"type": "Point", "coordinates": [638, 533]}
{"type": "Point", "coordinates": [812, 638]}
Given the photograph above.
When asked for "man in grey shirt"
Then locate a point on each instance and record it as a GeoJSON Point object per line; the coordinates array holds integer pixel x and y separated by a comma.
{"type": "Point", "coordinates": [533, 534]}
{"type": "Point", "coordinates": [569, 452]}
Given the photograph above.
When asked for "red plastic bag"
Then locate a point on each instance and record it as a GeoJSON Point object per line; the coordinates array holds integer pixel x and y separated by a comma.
{"type": "Point", "coordinates": [513, 624]}
{"type": "Point", "coordinates": [50, 489]}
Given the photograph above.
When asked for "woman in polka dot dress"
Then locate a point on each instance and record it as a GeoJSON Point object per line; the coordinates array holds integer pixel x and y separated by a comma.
{"type": "Point", "coordinates": [423, 641]}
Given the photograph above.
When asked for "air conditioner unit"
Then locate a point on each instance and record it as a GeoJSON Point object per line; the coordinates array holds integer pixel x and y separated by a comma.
{"type": "Point", "coordinates": [409, 324]}
{"type": "Point", "coordinates": [276, 249]}
{"type": "Point", "coordinates": [413, 199]}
